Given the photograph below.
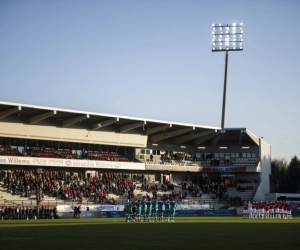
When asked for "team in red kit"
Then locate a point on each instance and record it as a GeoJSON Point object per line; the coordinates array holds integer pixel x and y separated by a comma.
{"type": "Point", "coordinates": [267, 210]}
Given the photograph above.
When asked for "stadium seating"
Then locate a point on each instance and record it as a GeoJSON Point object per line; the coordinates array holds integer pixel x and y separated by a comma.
{"type": "Point", "coordinates": [62, 153]}
{"type": "Point", "coordinates": [106, 156]}
{"type": "Point", "coordinates": [7, 150]}
{"type": "Point", "coordinates": [242, 162]}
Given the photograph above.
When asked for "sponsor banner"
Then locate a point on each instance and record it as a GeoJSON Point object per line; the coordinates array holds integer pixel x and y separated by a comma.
{"type": "Point", "coordinates": [192, 206]}
{"type": "Point", "coordinates": [103, 214]}
{"type": "Point", "coordinates": [112, 214]}
{"type": "Point", "coordinates": [224, 169]}
{"type": "Point", "coordinates": [179, 207]}
{"type": "Point", "coordinates": [90, 208]}
{"type": "Point", "coordinates": [121, 214]}
{"type": "Point", "coordinates": [217, 212]}
{"type": "Point", "coordinates": [70, 208]}
{"type": "Point", "coordinates": [187, 213]}
{"type": "Point", "coordinates": [115, 214]}
{"type": "Point", "coordinates": [296, 212]}
{"type": "Point", "coordinates": [36, 161]}
{"type": "Point", "coordinates": [94, 214]}
{"type": "Point", "coordinates": [120, 207]}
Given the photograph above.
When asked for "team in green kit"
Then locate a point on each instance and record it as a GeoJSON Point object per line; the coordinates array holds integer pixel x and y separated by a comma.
{"type": "Point", "coordinates": [150, 210]}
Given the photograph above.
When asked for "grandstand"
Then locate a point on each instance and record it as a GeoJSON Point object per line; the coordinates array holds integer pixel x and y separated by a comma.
{"type": "Point", "coordinates": [123, 156]}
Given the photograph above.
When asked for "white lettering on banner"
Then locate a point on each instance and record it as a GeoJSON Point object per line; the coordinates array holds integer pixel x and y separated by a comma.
{"type": "Point", "coordinates": [107, 165]}
{"type": "Point", "coordinates": [103, 208]}
{"type": "Point", "coordinates": [34, 161]}
{"type": "Point", "coordinates": [70, 208]}
{"type": "Point", "coordinates": [40, 161]}
{"type": "Point", "coordinates": [82, 164]}
{"type": "Point", "coordinates": [63, 208]}
{"type": "Point", "coordinates": [18, 161]}
{"type": "Point", "coordinates": [192, 206]}
{"type": "Point", "coordinates": [55, 162]}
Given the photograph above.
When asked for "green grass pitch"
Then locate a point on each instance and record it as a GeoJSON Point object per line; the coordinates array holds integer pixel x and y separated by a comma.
{"type": "Point", "coordinates": [186, 233]}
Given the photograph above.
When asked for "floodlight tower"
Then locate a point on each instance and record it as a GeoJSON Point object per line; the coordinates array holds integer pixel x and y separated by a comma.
{"type": "Point", "coordinates": [226, 37]}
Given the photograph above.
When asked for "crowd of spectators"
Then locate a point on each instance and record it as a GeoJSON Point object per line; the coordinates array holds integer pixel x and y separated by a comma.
{"type": "Point", "coordinates": [217, 187]}
{"type": "Point", "coordinates": [70, 186]}
{"type": "Point", "coordinates": [154, 188]}
{"type": "Point", "coordinates": [98, 186]}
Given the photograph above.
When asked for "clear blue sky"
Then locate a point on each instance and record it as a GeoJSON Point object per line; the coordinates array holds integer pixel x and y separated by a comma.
{"type": "Point", "coordinates": [152, 59]}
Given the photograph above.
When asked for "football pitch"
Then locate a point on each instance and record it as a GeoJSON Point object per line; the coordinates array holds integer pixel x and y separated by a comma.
{"type": "Point", "coordinates": [185, 233]}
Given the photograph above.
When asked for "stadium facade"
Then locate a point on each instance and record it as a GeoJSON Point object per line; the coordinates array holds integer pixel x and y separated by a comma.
{"type": "Point", "coordinates": [160, 150]}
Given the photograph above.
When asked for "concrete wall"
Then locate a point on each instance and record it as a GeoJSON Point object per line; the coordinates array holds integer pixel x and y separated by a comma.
{"type": "Point", "coordinates": [40, 132]}
{"type": "Point", "coordinates": [161, 167]}
{"type": "Point", "coordinates": [264, 167]}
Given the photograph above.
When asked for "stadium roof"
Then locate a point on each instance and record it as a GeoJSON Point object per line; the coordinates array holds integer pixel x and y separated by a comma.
{"type": "Point", "coordinates": [157, 131]}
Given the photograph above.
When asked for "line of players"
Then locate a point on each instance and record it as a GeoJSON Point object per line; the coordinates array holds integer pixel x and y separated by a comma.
{"type": "Point", "coordinates": [265, 210]}
{"type": "Point", "coordinates": [150, 210]}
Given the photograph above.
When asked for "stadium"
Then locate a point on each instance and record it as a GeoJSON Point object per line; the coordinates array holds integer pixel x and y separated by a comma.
{"type": "Point", "coordinates": [87, 144]}
{"type": "Point", "coordinates": [56, 160]}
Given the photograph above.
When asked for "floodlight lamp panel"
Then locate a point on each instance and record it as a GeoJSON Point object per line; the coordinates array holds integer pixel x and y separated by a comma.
{"type": "Point", "coordinates": [228, 39]}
